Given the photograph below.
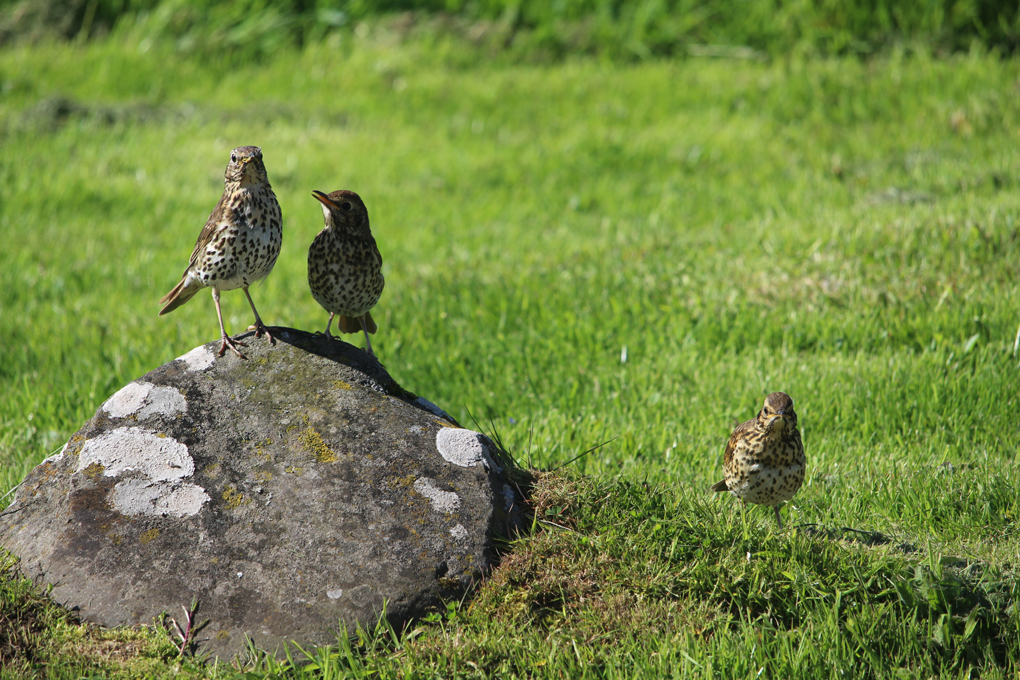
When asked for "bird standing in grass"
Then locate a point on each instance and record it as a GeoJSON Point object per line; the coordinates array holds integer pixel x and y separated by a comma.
{"type": "Point", "coordinates": [344, 264]}
{"type": "Point", "coordinates": [239, 244]}
{"type": "Point", "coordinates": [764, 461]}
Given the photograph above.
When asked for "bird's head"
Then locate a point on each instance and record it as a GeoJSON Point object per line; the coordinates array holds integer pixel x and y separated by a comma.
{"type": "Point", "coordinates": [344, 211]}
{"type": "Point", "coordinates": [777, 414]}
{"type": "Point", "coordinates": [246, 166]}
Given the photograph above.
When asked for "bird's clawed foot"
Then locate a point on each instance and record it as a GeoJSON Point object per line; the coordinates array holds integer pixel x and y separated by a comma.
{"type": "Point", "coordinates": [327, 335]}
{"type": "Point", "coordinates": [232, 344]}
{"type": "Point", "coordinates": [261, 328]}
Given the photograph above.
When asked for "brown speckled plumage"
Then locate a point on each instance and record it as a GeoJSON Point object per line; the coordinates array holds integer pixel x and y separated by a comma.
{"type": "Point", "coordinates": [344, 264]}
{"type": "Point", "coordinates": [764, 460]}
{"type": "Point", "coordinates": [239, 244]}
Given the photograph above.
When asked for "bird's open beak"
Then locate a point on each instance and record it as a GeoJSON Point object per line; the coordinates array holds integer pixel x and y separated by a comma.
{"type": "Point", "coordinates": [323, 199]}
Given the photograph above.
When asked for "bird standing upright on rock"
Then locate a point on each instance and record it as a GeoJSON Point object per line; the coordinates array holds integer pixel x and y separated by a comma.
{"type": "Point", "coordinates": [239, 244]}
{"type": "Point", "coordinates": [344, 264]}
{"type": "Point", "coordinates": [764, 460]}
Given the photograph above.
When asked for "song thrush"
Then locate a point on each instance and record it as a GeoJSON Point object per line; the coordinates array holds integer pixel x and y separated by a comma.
{"type": "Point", "coordinates": [239, 244]}
{"type": "Point", "coordinates": [764, 460]}
{"type": "Point", "coordinates": [344, 264]}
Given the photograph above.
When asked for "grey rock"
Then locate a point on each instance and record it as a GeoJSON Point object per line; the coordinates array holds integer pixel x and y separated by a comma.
{"type": "Point", "coordinates": [291, 494]}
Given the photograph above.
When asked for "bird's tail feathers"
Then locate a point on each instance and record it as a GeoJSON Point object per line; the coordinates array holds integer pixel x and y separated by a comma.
{"type": "Point", "coordinates": [720, 486]}
{"type": "Point", "coordinates": [181, 293]}
{"type": "Point", "coordinates": [351, 324]}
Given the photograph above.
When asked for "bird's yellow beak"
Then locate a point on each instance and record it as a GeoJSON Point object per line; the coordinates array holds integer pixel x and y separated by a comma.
{"type": "Point", "coordinates": [323, 199]}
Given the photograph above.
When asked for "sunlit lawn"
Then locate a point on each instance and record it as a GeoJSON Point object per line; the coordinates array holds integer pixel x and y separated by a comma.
{"type": "Point", "coordinates": [578, 253]}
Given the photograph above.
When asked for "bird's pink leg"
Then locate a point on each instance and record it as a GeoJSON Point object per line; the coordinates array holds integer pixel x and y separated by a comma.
{"type": "Point", "coordinates": [258, 326]}
{"type": "Point", "coordinates": [227, 342]}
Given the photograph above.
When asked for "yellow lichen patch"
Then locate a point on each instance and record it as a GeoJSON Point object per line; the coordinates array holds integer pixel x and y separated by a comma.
{"type": "Point", "coordinates": [262, 454]}
{"type": "Point", "coordinates": [94, 470]}
{"type": "Point", "coordinates": [116, 539]}
{"type": "Point", "coordinates": [296, 426]}
{"type": "Point", "coordinates": [161, 435]}
{"type": "Point", "coordinates": [212, 471]}
{"type": "Point", "coordinates": [313, 444]}
{"type": "Point", "coordinates": [149, 536]}
{"type": "Point", "coordinates": [234, 498]}
{"type": "Point", "coordinates": [263, 476]}
{"type": "Point", "coordinates": [291, 470]}
{"type": "Point", "coordinates": [341, 385]}
{"type": "Point", "coordinates": [405, 482]}
{"type": "Point", "coordinates": [78, 441]}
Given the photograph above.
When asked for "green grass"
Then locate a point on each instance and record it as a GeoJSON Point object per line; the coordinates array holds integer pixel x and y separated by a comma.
{"type": "Point", "coordinates": [575, 253]}
{"type": "Point", "coordinates": [535, 30]}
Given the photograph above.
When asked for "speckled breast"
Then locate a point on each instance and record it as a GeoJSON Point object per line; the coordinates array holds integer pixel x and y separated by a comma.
{"type": "Point", "coordinates": [245, 251]}
{"type": "Point", "coordinates": [344, 278]}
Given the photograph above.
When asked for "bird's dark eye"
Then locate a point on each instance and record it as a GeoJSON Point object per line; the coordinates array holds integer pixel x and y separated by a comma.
{"type": "Point", "coordinates": [346, 205]}
{"type": "Point", "coordinates": [233, 158]}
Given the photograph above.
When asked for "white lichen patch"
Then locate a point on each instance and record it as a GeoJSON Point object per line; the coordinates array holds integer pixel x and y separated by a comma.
{"type": "Point", "coordinates": [160, 463]}
{"type": "Point", "coordinates": [163, 401]}
{"type": "Point", "coordinates": [335, 594]}
{"type": "Point", "coordinates": [161, 499]}
{"type": "Point", "coordinates": [134, 448]}
{"type": "Point", "coordinates": [144, 400]}
{"type": "Point", "coordinates": [465, 448]}
{"type": "Point", "coordinates": [442, 501]}
{"type": "Point", "coordinates": [459, 532]}
{"type": "Point", "coordinates": [127, 400]}
{"type": "Point", "coordinates": [199, 358]}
